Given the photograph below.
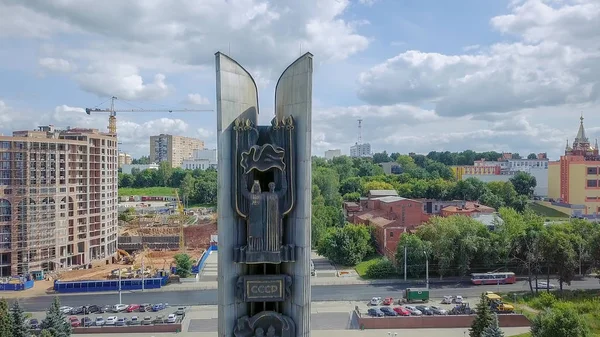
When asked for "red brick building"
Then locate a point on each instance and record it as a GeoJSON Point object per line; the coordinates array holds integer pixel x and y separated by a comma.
{"type": "Point", "coordinates": [469, 209]}
{"type": "Point", "coordinates": [390, 217]}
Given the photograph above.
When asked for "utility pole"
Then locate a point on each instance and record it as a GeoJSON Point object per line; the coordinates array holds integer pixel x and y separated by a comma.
{"type": "Point", "coordinates": [143, 274]}
{"type": "Point", "coordinates": [405, 258]}
{"type": "Point", "coordinates": [120, 298]}
{"type": "Point", "coordinates": [426, 268]}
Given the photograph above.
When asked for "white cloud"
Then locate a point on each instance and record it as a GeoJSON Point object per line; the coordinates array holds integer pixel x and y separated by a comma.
{"type": "Point", "coordinates": [471, 47]}
{"type": "Point", "coordinates": [367, 2]}
{"type": "Point", "coordinates": [123, 81]}
{"type": "Point", "coordinates": [197, 99]}
{"type": "Point", "coordinates": [556, 62]}
{"type": "Point", "coordinates": [56, 64]}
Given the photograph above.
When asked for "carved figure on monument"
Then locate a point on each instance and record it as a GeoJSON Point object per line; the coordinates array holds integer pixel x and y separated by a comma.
{"type": "Point", "coordinates": [264, 195]}
{"type": "Point", "coordinates": [277, 325]}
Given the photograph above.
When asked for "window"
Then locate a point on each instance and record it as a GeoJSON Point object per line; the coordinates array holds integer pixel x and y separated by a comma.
{"type": "Point", "coordinates": [592, 170]}
{"type": "Point", "coordinates": [592, 183]}
{"type": "Point", "coordinates": [391, 234]}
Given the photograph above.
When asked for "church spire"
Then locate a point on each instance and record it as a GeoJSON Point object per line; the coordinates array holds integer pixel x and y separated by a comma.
{"type": "Point", "coordinates": [581, 132]}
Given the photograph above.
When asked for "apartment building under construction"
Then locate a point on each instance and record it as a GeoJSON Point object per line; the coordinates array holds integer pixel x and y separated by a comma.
{"type": "Point", "coordinates": [58, 199]}
{"type": "Point", "coordinates": [173, 149]}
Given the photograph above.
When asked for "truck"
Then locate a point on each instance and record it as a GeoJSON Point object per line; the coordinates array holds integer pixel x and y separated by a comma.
{"type": "Point", "coordinates": [497, 305]}
{"type": "Point", "coordinates": [416, 295]}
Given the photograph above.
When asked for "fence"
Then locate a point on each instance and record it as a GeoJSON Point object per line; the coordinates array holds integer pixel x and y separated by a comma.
{"type": "Point", "coordinates": [16, 286]}
{"type": "Point", "coordinates": [108, 285]}
{"type": "Point", "coordinates": [198, 268]}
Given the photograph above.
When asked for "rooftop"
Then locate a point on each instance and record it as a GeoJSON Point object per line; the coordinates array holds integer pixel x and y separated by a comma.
{"type": "Point", "coordinates": [383, 193]}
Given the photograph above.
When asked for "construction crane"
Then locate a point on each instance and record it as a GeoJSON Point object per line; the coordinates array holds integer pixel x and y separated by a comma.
{"type": "Point", "coordinates": [112, 119]}
{"type": "Point", "coordinates": [181, 212]}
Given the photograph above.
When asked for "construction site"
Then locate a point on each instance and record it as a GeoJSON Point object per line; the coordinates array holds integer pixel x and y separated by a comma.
{"type": "Point", "coordinates": [148, 243]}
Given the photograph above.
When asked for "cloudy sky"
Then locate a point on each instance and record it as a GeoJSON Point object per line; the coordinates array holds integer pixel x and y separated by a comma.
{"type": "Point", "coordinates": [503, 75]}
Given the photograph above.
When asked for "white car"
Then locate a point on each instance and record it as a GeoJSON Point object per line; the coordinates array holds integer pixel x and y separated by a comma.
{"type": "Point", "coordinates": [545, 285]}
{"type": "Point", "coordinates": [375, 301]}
{"type": "Point", "coordinates": [413, 311]}
{"type": "Point", "coordinates": [99, 321]}
{"type": "Point", "coordinates": [119, 307]}
{"type": "Point", "coordinates": [458, 300]}
{"type": "Point", "coordinates": [65, 310]}
{"type": "Point", "coordinates": [438, 311]}
{"type": "Point", "coordinates": [447, 299]}
{"type": "Point", "coordinates": [172, 318]}
{"type": "Point", "coordinates": [111, 320]}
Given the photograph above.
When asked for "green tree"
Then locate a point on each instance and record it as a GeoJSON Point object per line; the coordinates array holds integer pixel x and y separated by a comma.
{"type": "Point", "coordinates": [187, 186]}
{"type": "Point", "coordinates": [126, 180]}
{"type": "Point", "coordinates": [5, 319]}
{"type": "Point", "coordinates": [19, 324]}
{"type": "Point", "coordinates": [415, 255]}
{"type": "Point", "coordinates": [483, 319]}
{"type": "Point", "coordinates": [493, 330]}
{"type": "Point", "coordinates": [55, 321]}
{"type": "Point", "coordinates": [532, 156]}
{"type": "Point", "coordinates": [559, 253]}
{"type": "Point", "coordinates": [351, 185]}
{"type": "Point", "coordinates": [45, 333]}
{"type": "Point", "coordinates": [560, 321]}
{"type": "Point", "coordinates": [376, 185]}
{"type": "Point", "coordinates": [381, 157]}
{"type": "Point", "coordinates": [328, 182]}
{"type": "Point", "coordinates": [143, 160]}
{"type": "Point", "coordinates": [346, 245]}
{"type": "Point", "coordinates": [524, 183]}
{"type": "Point", "coordinates": [183, 264]}
{"type": "Point", "coordinates": [164, 173]}
{"type": "Point", "coordinates": [355, 196]}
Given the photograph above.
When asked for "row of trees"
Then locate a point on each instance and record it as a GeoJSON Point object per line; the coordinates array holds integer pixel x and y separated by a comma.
{"type": "Point", "coordinates": [13, 321]}
{"type": "Point", "coordinates": [467, 157]}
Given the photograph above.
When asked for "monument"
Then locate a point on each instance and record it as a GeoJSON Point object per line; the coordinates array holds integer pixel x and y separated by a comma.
{"type": "Point", "coordinates": [264, 203]}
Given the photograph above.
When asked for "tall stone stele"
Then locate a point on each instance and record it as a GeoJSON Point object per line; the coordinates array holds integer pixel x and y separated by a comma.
{"type": "Point", "coordinates": [264, 203]}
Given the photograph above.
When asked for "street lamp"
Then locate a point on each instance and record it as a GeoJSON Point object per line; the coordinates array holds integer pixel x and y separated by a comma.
{"type": "Point", "coordinates": [120, 302]}
{"type": "Point", "coordinates": [426, 268]}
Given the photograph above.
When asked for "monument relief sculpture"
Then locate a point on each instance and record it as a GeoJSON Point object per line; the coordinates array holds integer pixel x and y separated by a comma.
{"type": "Point", "coordinates": [264, 204]}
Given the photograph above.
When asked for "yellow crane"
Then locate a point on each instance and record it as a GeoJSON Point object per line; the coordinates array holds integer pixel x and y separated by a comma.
{"type": "Point", "coordinates": [181, 212]}
{"type": "Point", "coordinates": [112, 118]}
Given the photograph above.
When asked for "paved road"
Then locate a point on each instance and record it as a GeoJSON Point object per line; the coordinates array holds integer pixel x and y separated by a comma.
{"type": "Point", "coordinates": [362, 292]}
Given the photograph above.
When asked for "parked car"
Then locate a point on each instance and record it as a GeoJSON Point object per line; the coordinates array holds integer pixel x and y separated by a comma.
{"type": "Point", "coordinates": [544, 285]}
{"type": "Point", "coordinates": [34, 324]}
{"type": "Point", "coordinates": [438, 311]}
{"type": "Point", "coordinates": [375, 301]}
{"type": "Point", "coordinates": [158, 307]}
{"type": "Point", "coordinates": [180, 311]}
{"type": "Point", "coordinates": [401, 311]}
{"type": "Point", "coordinates": [388, 301]}
{"type": "Point", "coordinates": [413, 311]}
{"type": "Point", "coordinates": [90, 309]}
{"type": "Point", "coordinates": [99, 321]}
{"type": "Point", "coordinates": [425, 310]}
{"type": "Point", "coordinates": [458, 299]}
{"type": "Point", "coordinates": [145, 307]}
{"type": "Point", "coordinates": [172, 318]}
{"type": "Point", "coordinates": [447, 300]}
{"type": "Point", "coordinates": [86, 322]}
{"type": "Point", "coordinates": [66, 310]}
{"type": "Point", "coordinates": [133, 307]}
{"type": "Point", "coordinates": [77, 311]}
{"type": "Point", "coordinates": [160, 319]}
{"type": "Point", "coordinates": [121, 321]}
{"type": "Point", "coordinates": [134, 321]}
{"type": "Point", "coordinates": [119, 307]}
{"type": "Point", "coordinates": [375, 312]}
{"type": "Point", "coordinates": [106, 308]}
{"type": "Point", "coordinates": [111, 320]}
{"type": "Point", "coordinates": [74, 321]}
{"type": "Point", "coordinates": [147, 320]}
{"type": "Point", "coordinates": [387, 311]}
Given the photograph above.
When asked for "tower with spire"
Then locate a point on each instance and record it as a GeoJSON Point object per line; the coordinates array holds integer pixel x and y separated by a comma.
{"type": "Point", "coordinates": [582, 146]}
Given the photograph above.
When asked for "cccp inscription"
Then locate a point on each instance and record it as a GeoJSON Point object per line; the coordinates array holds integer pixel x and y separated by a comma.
{"type": "Point", "coordinates": [264, 288]}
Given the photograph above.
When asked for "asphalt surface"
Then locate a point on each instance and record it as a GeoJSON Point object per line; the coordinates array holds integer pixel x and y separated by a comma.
{"type": "Point", "coordinates": [362, 292]}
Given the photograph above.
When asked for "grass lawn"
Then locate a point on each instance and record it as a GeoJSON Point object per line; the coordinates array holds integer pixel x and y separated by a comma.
{"type": "Point", "coordinates": [547, 211]}
{"type": "Point", "coordinates": [147, 191]}
{"type": "Point", "coordinates": [362, 267]}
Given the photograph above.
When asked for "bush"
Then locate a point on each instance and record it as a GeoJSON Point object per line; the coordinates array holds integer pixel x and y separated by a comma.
{"type": "Point", "coordinates": [383, 268]}
{"type": "Point", "coordinates": [543, 301]}
{"type": "Point", "coordinates": [353, 196]}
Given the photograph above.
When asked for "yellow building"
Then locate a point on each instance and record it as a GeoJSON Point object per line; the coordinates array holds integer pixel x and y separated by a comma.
{"type": "Point", "coordinates": [574, 180]}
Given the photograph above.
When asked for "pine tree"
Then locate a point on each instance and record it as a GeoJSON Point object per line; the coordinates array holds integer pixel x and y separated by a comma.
{"type": "Point", "coordinates": [5, 320]}
{"type": "Point", "coordinates": [55, 322]}
{"type": "Point", "coordinates": [493, 330]}
{"type": "Point", "coordinates": [483, 318]}
{"type": "Point", "coordinates": [19, 327]}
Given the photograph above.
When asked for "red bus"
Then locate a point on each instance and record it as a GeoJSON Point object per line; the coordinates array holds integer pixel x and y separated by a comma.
{"type": "Point", "coordinates": [493, 278]}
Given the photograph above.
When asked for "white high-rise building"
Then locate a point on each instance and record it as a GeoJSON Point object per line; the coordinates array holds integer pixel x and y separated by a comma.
{"type": "Point", "coordinates": [201, 159]}
{"type": "Point", "coordinates": [360, 150]}
{"type": "Point", "coordinates": [330, 154]}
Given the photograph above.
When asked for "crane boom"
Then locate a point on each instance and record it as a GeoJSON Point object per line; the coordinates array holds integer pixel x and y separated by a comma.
{"type": "Point", "coordinates": [112, 118]}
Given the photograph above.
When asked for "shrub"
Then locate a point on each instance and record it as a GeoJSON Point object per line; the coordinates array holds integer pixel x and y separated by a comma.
{"type": "Point", "coordinates": [543, 301]}
{"type": "Point", "coordinates": [383, 268]}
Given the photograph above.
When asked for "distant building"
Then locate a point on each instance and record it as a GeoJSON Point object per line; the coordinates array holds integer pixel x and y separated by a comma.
{"type": "Point", "coordinates": [381, 193]}
{"type": "Point", "coordinates": [129, 168]}
{"type": "Point", "coordinates": [201, 159]}
{"type": "Point", "coordinates": [469, 209]}
{"type": "Point", "coordinates": [391, 168]}
{"type": "Point", "coordinates": [124, 159]}
{"type": "Point", "coordinates": [173, 149]}
{"type": "Point", "coordinates": [330, 154]}
{"type": "Point", "coordinates": [360, 150]}
{"type": "Point", "coordinates": [574, 180]}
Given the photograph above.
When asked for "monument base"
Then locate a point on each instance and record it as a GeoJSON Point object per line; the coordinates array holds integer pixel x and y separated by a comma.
{"type": "Point", "coordinates": [265, 324]}
{"type": "Point", "coordinates": [285, 254]}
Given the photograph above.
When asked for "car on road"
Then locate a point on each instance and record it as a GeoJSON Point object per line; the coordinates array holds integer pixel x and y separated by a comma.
{"type": "Point", "coordinates": [375, 301]}
{"type": "Point", "coordinates": [119, 307]}
{"type": "Point", "coordinates": [425, 310]}
{"type": "Point", "coordinates": [172, 318]}
{"type": "Point", "coordinates": [158, 307]}
{"type": "Point", "coordinates": [99, 321]}
{"type": "Point", "coordinates": [86, 322]}
{"type": "Point", "coordinates": [34, 324]}
{"type": "Point", "coordinates": [111, 320]}
{"type": "Point", "coordinates": [147, 320]}
{"type": "Point", "coordinates": [438, 311]}
{"type": "Point", "coordinates": [544, 285]}
{"type": "Point", "coordinates": [121, 321]}
{"type": "Point", "coordinates": [401, 311]}
{"type": "Point", "coordinates": [65, 310]}
{"type": "Point", "coordinates": [375, 312]}
{"type": "Point", "coordinates": [413, 311]}
{"type": "Point", "coordinates": [180, 311]}
{"type": "Point", "coordinates": [387, 311]}
{"type": "Point", "coordinates": [134, 321]}
{"type": "Point", "coordinates": [133, 307]}
{"type": "Point", "coordinates": [388, 301]}
{"type": "Point", "coordinates": [74, 321]}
